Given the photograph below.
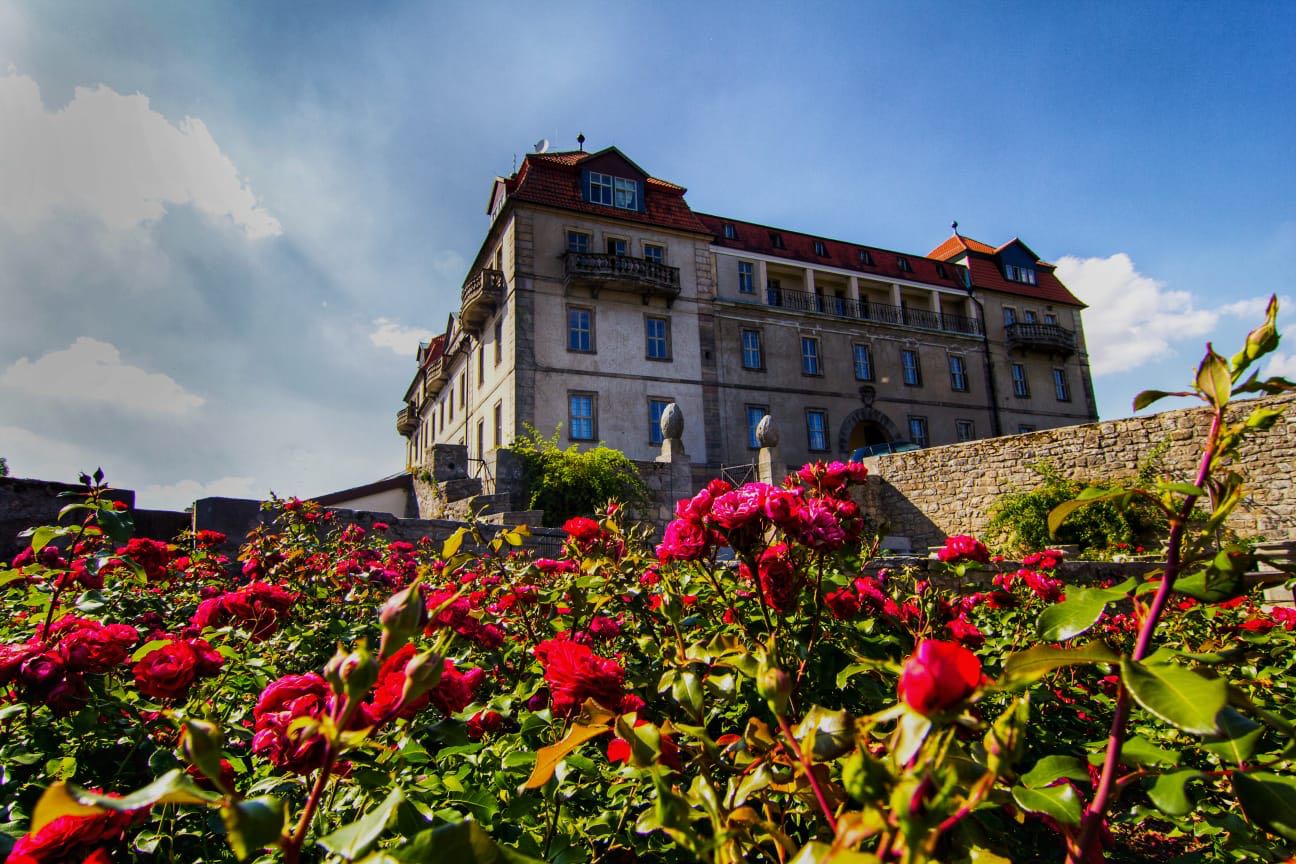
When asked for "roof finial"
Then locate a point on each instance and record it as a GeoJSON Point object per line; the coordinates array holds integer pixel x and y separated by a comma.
{"type": "Point", "coordinates": [580, 139]}
{"type": "Point", "coordinates": [954, 225]}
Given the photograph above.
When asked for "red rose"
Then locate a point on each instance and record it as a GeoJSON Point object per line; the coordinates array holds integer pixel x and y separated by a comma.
{"type": "Point", "coordinates": [819, 528]}
{"type": "Point", "coordinates": [843, 603]}
{"type": "Point", "coordinates": [484, 723]}
{"type": "Point", "coordinates": [575, 673]}
{"type": "Point", "coordinates": [778, 577]}
{"type": "Point", "coordinates": [741, 507]}
{"type": "Point", "coordinates": [683, 541]}
{"type": "Point", "coordinates": [39, 674]}
{"type": "Point", "coordinates": [961, 547]}
{"type": "Point", "coordinates": [97, 649]}
{"type": "Point", "coordinates": [67, 838]}
{"type": "Point", "coordinates": [300, 750]}
{"type": "Point", "coordinates": [456, 690]}
{"type": "Point", "coordinates": [169, 671]}
{"type": "Point", "coordinates": [938, 676]}
{"type": "Point", "coordinates": [582, 529]}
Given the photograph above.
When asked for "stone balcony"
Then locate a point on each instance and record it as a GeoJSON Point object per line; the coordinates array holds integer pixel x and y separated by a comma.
{"type": "Point", "coordinates": [406, 422]}
{"type": "Point", "coordinates": [877, 313]}
{"type": "Point", "coordinates": [1040, 337]}
{"type": "Point", "coordinates": [621, 273]}
{"type": "Point", "coordinates": [435, 375]}
{"type": "Point", "coordinates": [482, 295]}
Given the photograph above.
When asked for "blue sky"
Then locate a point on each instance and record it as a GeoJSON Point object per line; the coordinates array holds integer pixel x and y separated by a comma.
{"type": "Point", "coordinates": [224, 226]}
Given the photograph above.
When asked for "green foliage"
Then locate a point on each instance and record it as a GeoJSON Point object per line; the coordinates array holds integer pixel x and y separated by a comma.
{"type": "Point", "coordinates": [574, 482]}
{"type": "Point", "coordinates": [4, 467]}
{"type": "Point", "coordinates": [1019, 520]}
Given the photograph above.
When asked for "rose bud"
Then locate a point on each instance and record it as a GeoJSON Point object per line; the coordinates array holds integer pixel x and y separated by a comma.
{"type": "Point", "coordinates": [40, 674]}
{"type": "Point", "coordinates": [201, 742]}
{"type": "Point", "coordinates": [422, 673]}
{"type": "Point", "coordinates": [938, 676]}
{"type": "Point", "coordinates": [775, 686]}
{"type": "Point", "coordinates": [402, 616]}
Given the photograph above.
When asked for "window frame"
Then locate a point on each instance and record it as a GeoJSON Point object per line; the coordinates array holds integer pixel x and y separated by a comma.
{"type": "Point", "coordinates": [752, 442]}
{"type": "Point", "coordinates": [625, 193]}
{"type": "Point", "coordinates": [498, 333]}
{"type": "Point", "coordinates": [603, 182]}
{"type": "Point", "coordinates": [746, 277]}
{"type": "Point", "coordinates": [499, 422]}
{"type": "Point", "coordinates": [822, 414]}
{"type": "Point", "coordinates": [960, 373]}
{"type": "Point", "coordinates": [593, 415]}
{"type": "Point", "coordinates": [590, 331]}
{"type": "Point", "coordinates": [730, 231]}
{"type": "Point", "coordinates": [905, 369]}
{"type": "Point", "coordinates": [1009, 315]}
{"type": "Point", "coordinates": [902, 263]}
{"type": "Point", "coordinates": [776, 240]}
{"type": "Point", "coordinates": [868, 360]}
{"type": "Point", "coordinates": [959, 426]}
{"type": "Point", "coordinates": [820, 248]}
{"type": "Point", "coordinates": [1022, 391]}
{"type": "Point", "coordinates": [866, 258]}
{"type": "Point", "coordinates": [1029, 316]}
{"type": "Point", "coordinates": [1061, 387]}
{"type": "Point", "coordinates": [655, 437]}
{"type": "Point", "coordinates": [923, 440]}
{"type": "Point", "coordinates": [622, 242]}
{"type": "Point", "coordinates": [814, 358]}
{"type": "Point", "coordinates": [760, 348]}
{"type": "Point", "coordinates": [660, 255]}
{"type": "Point", "coordinates": [586, 235]}
{"type": "Point", "coordinates": [665, 338]}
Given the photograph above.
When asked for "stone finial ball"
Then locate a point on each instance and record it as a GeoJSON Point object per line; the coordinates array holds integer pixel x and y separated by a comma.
{"type": "Point", "coordinates": [672, 422]}
{"type": "Point", "coordinates": [767, 432]}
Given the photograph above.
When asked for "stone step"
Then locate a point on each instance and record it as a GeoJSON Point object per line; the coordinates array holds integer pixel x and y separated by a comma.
{"type": "Point", "coordinates": [531, 518]}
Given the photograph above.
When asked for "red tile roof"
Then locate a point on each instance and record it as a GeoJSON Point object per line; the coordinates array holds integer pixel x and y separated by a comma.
{"type": "Point", "coordinates": [553, 179]}
{"type": "Point", "coordinates": [983, 264]}
{"type": "Point", "coordinates": [751, 237]}
{"type": "Point", "coordinates": [956, 245]}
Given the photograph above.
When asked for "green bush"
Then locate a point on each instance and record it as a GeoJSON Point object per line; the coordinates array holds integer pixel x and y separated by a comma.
{"type": "Point", "coordinates": [1019, 520]}
{"type": "Point", "coordinates": [574, 482]}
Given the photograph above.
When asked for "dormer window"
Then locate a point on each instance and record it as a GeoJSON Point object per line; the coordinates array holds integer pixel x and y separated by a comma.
{"type": "Point", "coordinates": [1019, 274]}
{"type": "Point", "coordinates": [730, 232]}
{"type": "Point", "coordinates": [820, 249]}
{"type": "Point", "coordinates": [776, 240]}
{"type": "Point", "coordinates": [613, 191]}
{"type": "Point", "coordinates": [904, 265]}
{"type": "Point", "coordinates": [940, 270]}
{"type": "Point", "coordinates": [866, 257]}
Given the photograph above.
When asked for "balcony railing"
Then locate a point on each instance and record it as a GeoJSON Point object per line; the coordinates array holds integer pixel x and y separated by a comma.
{"type": "Point", "coordinates": [482, 294]}
{"type": "Point", "coordinates": [863, 310]}
{"type": "Point", "coordinates": [622, 272]}
{"type": "Point", "coordinates": [1040, 337]}
{"type": "Point", "coordinates": [406, 422]}
{"type": "Point", "coordinates": [435, 375]}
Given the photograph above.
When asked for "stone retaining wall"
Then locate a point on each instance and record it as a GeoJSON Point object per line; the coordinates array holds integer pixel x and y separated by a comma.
{"type": "Point", "coordinates": [929, 494]}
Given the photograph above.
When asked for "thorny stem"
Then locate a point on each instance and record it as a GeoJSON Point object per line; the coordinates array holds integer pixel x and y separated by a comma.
{"type": "Point", "coordinates": [1078, 850]}
{"type": "Point", "coordinates": [807, 765]}
{"type": "Point", "coordinates": [292, 843]}
{"type": "Point", "coordinates": [814, 620]}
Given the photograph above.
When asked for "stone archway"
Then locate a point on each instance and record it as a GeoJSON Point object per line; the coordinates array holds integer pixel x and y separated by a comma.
{"type": "Point", "coordinates": [868, 426]}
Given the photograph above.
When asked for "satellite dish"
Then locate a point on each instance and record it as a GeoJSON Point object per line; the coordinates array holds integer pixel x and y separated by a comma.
{"type": "Point", "coordinates": [542, 145]}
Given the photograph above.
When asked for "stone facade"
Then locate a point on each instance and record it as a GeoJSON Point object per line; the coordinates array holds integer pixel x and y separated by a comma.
{"type": "Point", "coordinates": [926, 495]}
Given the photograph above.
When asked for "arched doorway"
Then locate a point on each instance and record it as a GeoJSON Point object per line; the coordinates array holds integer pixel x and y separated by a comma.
{"type": "Point", "coordinates": [865, 426]}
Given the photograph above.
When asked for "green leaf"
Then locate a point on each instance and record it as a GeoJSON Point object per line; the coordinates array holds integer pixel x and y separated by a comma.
{"type": "Point", "coordinates": [253, 824]}
{"type": "Point", "coordinates": [1073, 616]}
{"type": "Point", "coordinates": [352, 841]}
{"type": "Point", "coordinates": [1052, 768]}
{"type": "Point", "coordinates": [828, 734]}
{"type": "Point", "coordinates": [42, 536]}
{"type": "Point", "coordinates": [1061, 803]}
{"type": "Point", "coordinates": [64, 799]}
{"type": "Point", "coordinates": [1027, 667]}
{"type": "Point", "coordinates": [1147, 397]}
{"type": "Point", "coordinates": [817, 851]}
{"type": "Point", "coordinates": [118, 525]}
{"type": "Point", "coordinates": [452, 543]}
{"type": "Point", "coordinates": [1213, 378]}
{"type": "Point", "coordinates": [1169, 794]}
{"type": "Point", "coordinates": [458, 843]}
{"type": "Point", "coordinates": [1140, 751]}
{"type": "Point", "coordinates": [1241, 735]}
{"type": "Point", "coordinates": [148, 648]}
{"type": "Point", "coordinates": [1268, 800]}
{"type": "Point", "coordinates": [547, 758]}
{"type": "Point", "coordinates": [1181, 697]}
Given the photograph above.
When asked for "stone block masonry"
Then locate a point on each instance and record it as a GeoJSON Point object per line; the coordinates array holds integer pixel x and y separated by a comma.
{"type": "Point", "coordinates": [926, 495]}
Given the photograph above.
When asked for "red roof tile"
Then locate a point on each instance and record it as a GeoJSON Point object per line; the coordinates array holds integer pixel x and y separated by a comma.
{"type": "Point", "coordinates": [752, 237]}
{"type": "Point", "coordinates": [982, 262]}
{"type": "Point", "coordinates": [552, 179]}
{"type": "Point", "coordinates": [956, 245]}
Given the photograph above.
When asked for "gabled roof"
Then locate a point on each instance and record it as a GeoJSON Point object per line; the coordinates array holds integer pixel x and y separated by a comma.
{"type": "Point", "coordinates": [554, 180]}
{"type": "Point", "coordinates": [753, 237]}
{"type": "Point", "coordinates": [982, 261]}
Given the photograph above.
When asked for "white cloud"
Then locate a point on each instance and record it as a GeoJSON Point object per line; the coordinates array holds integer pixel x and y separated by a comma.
{"type": "Point", "coordinates": [115, 157]}
{"type": "Point", "coordinates": [1132, 319]}
{"type": "Point", "coordinates": [177, 496]}
{"type": "Point", "coordinates": [39, 456]}
{"type": "Point", "coordinates": [393, 336]}
{"type": "Point", "coordinates": [93, 370]}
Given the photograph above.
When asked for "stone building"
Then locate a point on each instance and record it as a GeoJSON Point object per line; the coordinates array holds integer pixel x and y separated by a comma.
{"type": "Point", "coordinates": [599, 297]}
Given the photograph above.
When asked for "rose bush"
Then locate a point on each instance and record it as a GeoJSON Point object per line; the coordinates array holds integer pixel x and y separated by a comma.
{"type": "Point", "coordinates": [336, 694]}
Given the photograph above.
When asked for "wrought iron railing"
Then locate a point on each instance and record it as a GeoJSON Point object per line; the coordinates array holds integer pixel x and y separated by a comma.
{"type": "Point", "coordinates": [864, 310]}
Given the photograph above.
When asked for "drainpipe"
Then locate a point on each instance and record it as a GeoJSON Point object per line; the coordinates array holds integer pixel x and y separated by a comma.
{"type": "Point", "coordinates": [995, 425]}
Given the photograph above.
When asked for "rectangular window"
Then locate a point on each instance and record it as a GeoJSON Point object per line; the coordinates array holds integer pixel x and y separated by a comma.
{"type": "Point", "coordinates": [580, 329]}
{"type": "Point", "coordinates": [654, 253]}
{"type": "Point", "coordinates": [730, 232]}
{"type": "Point", "coordinates": [746, 278]}
{"type": "Point", "coordinates": [903, 263]}
{"type": "Point", "coordinates": [1023, 429]}
{"type": "Point", "coordinates": [810, 356]}
{"type": "Point", "coordinates": [499, 424]}
{"type": "Point", "coordinates": [657, 332]}
{"type": "Point", "coordinates": [616, 246]}
{"type": "Point", "coordinates": [820, 249]}
{"type": "Point", "coordinates": [863, 363]}
{"type": "Point", "coordinates": [754, 415]}
{"type": "Point", "coordinates": [600, 188]}
{"type": "Point", "coordinates": [866, 257]}
{"type": "Point", "coordinates": [910, 371]}
{"type": "Point", "coordinates": [578, 241]}
{"type": "Point", "coordinates": [753, 357]}
{"type": "Point", "coordinates": [656, 407]}
{"type": "Point", "coordinates": [1060, 388]}
{"type": "Point", "coordinates": [499, 340]}
{"type": "Point", "coordinates": [816, 430]}
{"type": "Point", "coordinates": [918, 430]}
{"type": "Point", "coordinates": [1010, 315]}
{"type": "Point", "coordinates": [958, 374]}
{"type": "Point", "coordinates": [580, 416]}
{"type": "Point", "coordinates": [481, 364]}
{"type": "Point", "coordinates": [625, 193]}
{"type": "Point", "coordinates": [481, 439]}
{"type": "Point", "coordinates": [1020, 387]}
{"type": "Point", "coordinates": [963, 429]}
{"type": "Point", "coordinates": [1028, 316]}
{"type": "Point", "coordinates": [776, 240]}
{"type": "Point", "coordinates": [463, 391]}
{"type": "Point", "coordinates": [940, 270]}
{"type": "Point", "coordinates": [1050, 318]}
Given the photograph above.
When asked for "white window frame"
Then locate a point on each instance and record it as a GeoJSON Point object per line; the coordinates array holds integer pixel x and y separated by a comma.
{"type": "Point", "coordinates": [664, 339]}
{"type": "Point", "coordinates": [862, 350]}
{"type": "Point", "coordinates": [958, 373]}
{"type": "Point", "coordinates": [908, 370]}
{"type": "Point", "coordinates": [918, 424]}
{"type": "Point", "coordinates": [746, 277]}
{"type": "Point", "coordinates": [821, 416]}
{"type": "Point", "coordinates": [811, 364]}
{"type": "Point", "coordinates": [752, 443]}
{"type": "Point", "coordinates": [758, 348]}
{"type": "Point", "coordinates": [588, 330]}
{"type": "Point", "coordinates": [603, 184]}
{"type": "Point", "coordinates": [1020, 383]}
{"type": "Point", "coordinates": [573, 417]}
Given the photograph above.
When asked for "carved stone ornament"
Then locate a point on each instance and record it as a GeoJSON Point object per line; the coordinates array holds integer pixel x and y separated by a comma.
{"type": "Point", "coordinates": [672, 422]}
{"type": "Point", "coordinates": [766, 432]}
{"type": "Point", "coordinates": [866, 395]}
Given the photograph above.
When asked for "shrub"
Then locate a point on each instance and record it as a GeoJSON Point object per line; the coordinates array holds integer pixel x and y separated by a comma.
{"type": "Point", "coordinates": [575, 482]}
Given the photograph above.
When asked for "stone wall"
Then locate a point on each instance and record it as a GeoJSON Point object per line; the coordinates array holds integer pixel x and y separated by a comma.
{"type": "Point", "coordinates": [926, 495]}
{"type": "Point", "coordinates": [27, 503]}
